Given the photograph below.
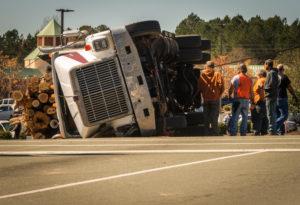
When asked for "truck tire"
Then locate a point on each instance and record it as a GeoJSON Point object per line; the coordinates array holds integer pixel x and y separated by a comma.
{"type": "Point", "coordinates": [206, 57]}
{"type": "Point", "coordinates": [193, 56]}
{"type": "Point", "coordinates": [188, 41]}
{"type": "Point", "coordinates": [205, 45]}
{"type": "Point", "coordinates": [144, 28]}
{"type": "Point", "coordinates": [176, 122]}
{"type": "Point", "coordinates": [190, 131]}
{"type": "Point", "coordinates": [196, 118]}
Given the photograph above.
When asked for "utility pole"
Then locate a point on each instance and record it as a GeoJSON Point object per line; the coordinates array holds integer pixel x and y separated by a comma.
{"type": "Point", "coordinates": [62, 14]}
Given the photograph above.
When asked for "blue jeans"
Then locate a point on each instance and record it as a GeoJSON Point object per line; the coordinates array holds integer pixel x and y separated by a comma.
{"type": "Point", "coordinates": [239, 106]}
{"type": "Point", "coordinates": [282, 114]}
{"type": "Point", "coordinates": [271, 112]}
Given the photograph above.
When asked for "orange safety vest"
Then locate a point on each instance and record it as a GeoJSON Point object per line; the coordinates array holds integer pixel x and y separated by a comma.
{"type": "Point", "coordinates": [244, 86]}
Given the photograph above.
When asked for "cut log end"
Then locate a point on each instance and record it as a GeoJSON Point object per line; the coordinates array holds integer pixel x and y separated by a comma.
{"type": "Point", "coordinates": [43, 97]}
{"type": "Point", "coordinates": [17, 95]}
{"type": "Point", "coordinates": [41, 120]}
{"type": "Point", "coordinates": [35, 103]}
{"type": "Point", "coordinates": [51, 110]}
{"type": "Point", "coordinates": [54, 124]}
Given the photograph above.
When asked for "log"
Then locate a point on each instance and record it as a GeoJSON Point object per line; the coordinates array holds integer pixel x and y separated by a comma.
{"type": "Point", "coordinates": [37, 99]}
{"type": "Point", "coordinates": [48, 77]}
{"type": "Point", "coordinates": [43, 97]}
{"type": "Point", "coordinates": [43, 86]}
{"type": "Point", "coordinates": [54, 124]}
{"type": "Point", "coordinates": [17, 95]}
{"type": "Point", "coordinates": [52, 87]}
{"type": "Point", "coordinates": [45, 108]}
{"type": "Point", "coordinates": [40, 120]}
{"type": "Point", "coordinates": [29, 124]}
{"type": "Point", "coordinates": [15, 120]}
{"type": "Point", "coordinates": [51, 110]}
{"type": "Point", "coordinates": [39, 135]}
{"type": "Point", "coordinates": [30, 112]}
{"type": "Point", "coordinates": [35, 103]}
{"type": "Point", "coordinates": [52, 98]}
{"type": "Point", "coordinates": [33, 89]}
{"type": "Point", "coordinates": [34, 80]}
{"type": "Point", "coordinates": [28, 103]}
{"type": "Point", "coordinates": [15, 82]}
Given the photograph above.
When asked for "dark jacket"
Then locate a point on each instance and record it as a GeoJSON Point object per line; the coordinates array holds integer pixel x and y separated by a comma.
{"type": "Point", "coordinates": [271, 85]}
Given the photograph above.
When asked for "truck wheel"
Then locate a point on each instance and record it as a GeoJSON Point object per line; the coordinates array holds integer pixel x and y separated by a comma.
{"type": "Point", "coordinates": [176, 122]}
{"type": "Point", "coordinates": [206, 57]}
{"type": "Point", "coordinates": [188, 41]}
{"type": "Point", "coordinates": [196, 118]}
{"type": "Point", "coordinates": [205, 45]}
{"type": "Point", "coordinates": [192, 56]}
{"type": "Point", "coordinates": [144, 28]}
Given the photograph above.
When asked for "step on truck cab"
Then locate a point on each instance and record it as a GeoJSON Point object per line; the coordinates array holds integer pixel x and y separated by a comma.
{"type": "Point", "coordinates": [135, 80]}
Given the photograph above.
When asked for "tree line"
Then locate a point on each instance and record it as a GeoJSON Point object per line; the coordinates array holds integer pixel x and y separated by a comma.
{"type": "Point", "coordinates": [236, 39]}
{"type": "Point", "coordinates": [14, 47]}
{"type": "Point", "coordinates": [258, 38]}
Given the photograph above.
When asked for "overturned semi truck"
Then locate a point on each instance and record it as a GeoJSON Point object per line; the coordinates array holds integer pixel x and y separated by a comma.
{"type": "Point", "coordinates": [135, 80]}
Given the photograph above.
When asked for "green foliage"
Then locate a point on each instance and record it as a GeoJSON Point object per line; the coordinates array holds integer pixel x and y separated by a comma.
{"type": "Point", "coordinates": [14, 45]}
{"type": "Point", "coordinates": [294, 107]}
{"type": "Point", "coordinates": [222, 128]}
{"type": "Point", "coordinates": [88, 28]}
{"type": "Point", "coordinates": [102, 27]}
{"type": "Point", "coordinates": [5, 135]}
{"type": "Point", "coordinates": [291, 59]}
{"type": "Point", "coordinates": [261, 39]}
{"type": "Point", "coordinates": [11, 43]}
{"type": "Point", "coordinates": [92, 30]}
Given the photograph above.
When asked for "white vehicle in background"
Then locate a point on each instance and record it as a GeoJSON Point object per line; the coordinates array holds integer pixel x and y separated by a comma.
{"type": "Point", "coordinates": [6, 112]}
{"type": "Point", "coordinates": [8, 101]}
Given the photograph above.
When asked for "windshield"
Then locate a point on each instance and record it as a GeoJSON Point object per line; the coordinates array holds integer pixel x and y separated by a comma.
{"type": "Point", "coordinates": [4, 108]}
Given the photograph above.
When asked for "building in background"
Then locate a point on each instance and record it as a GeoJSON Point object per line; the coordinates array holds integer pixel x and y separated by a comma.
{"type": "Point", "coordinates": [48, 36]}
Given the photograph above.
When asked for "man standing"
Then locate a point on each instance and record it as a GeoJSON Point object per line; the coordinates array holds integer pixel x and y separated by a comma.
{"type": "Point", "coordinates": [259, 111]}
{"type": "Point", "coordinates": [271, 93]}
{"type": "Point", "coordinates": [241, 86]}
{"type": "Point", "coordinates": [282, 100]}
{"type": "Point", "coordinates": [211, 85]}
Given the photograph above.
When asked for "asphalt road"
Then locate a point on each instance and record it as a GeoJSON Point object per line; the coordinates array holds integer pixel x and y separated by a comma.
{"type": "Point", "coordinates": [160, 170]}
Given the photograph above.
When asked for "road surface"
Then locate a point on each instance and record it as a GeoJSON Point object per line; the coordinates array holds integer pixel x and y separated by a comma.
{"type": "Point", "coordinates": [156, 170]}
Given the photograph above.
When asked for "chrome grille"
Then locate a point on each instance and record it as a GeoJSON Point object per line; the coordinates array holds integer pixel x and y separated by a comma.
{"type": "Point", "coordinates": [102, 91]}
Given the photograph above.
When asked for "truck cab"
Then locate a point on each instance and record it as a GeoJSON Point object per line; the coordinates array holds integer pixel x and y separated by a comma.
{"type": "Point", "coordinates": [135, 80]}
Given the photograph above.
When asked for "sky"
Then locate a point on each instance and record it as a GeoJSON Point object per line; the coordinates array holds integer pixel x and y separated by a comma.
{"type": "Point", "coordinates": [28, 16]}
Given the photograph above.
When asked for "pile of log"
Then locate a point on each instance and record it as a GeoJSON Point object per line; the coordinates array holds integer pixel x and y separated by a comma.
{"type": "Point", "coordinates": [38, 108]}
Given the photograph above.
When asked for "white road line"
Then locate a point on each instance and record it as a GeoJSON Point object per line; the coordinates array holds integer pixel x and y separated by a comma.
{"type": "Point", "coordinates": [107, 152]}
{"type": "Point", "coordinates": [148, 144]}
{"type": "Point", "coordinates": [125, 175]}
